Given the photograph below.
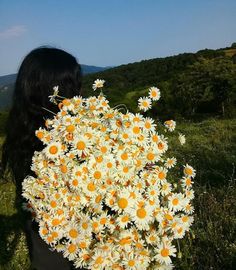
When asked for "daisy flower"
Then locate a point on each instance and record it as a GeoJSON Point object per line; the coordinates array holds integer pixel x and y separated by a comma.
{"type": "Point", "coordinates": [153, 238]}
{"type": "Point", "coordinates": [71, 251]}
{"type": "Point", "coordinates": [123, 220]}
{"type": "Point", "coordinates": [52, 98]}
{"type": "Point", "coordinates": [144, 103]}
{"type": "Point", "coordinates": [189, 171]}
{"type": "Point", "coordinates": [161, 173]}
{"type": "Point", "coordinates": [96, 174]}
{"type": "Point", "coordinates": [154, 93]}
{"type": "Point", "coordinates": [163, 253]}
{"type": "Point", "coordinates": [131, 261]}
{"type": "Point", "coordinates": [53, 150]}
{"type": "Point", "coordinates": [72, 232]}
{"type": "Point", "coordinates": [186, 182]}
{"type": "Point", "coordinates": [123, 202]}
{"type": "Point", "coordinates": [176, 201]}
{"type": "Point", "coordinates": [186, 221]}
{"type": "Point", "coordinates": [82, 258]}
{"type": "Point", "coordinates": [189, 193]}
{"type": "Point", "coordinates": [99, 261]}
{"type": "Point", "coordinates": [142, 216]}
{"type": "Point", "coordinates": [98, 84]}
{"type": "Point", "coordinates": [179, 231]}
{"type": "Point", "coordinates": [170, 125]}
{"type": "Point", "coordinates": [90, 189]}
{"type": "Point", "coordinates": [148, 124]}
{"type": "Point", "coordinates": [166, 188]}
{"type": "Point", "coordinates": [84, 225]}
{"type": "Point", "coordinates": [182, 138]}
{"type": "Point", "coordinates": [170, 162]}
{"type": "Point", "coordinates": [161, 146]}
{"type": "Point", "coordinates": [81, 146]}
{"type": "Point", "coordinates": [188, 208]}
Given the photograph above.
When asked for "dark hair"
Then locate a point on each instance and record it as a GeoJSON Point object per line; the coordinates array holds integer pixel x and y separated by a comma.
{"type": "Point", "coordinates": [41, 70]}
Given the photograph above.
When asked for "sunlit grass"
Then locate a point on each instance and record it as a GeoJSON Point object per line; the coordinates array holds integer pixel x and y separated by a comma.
{"type": "Point", "coordinates": [211, 244]}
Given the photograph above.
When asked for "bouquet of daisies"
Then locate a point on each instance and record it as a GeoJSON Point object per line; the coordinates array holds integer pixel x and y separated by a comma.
{"type": "Point", "coordinates": [103, 196]}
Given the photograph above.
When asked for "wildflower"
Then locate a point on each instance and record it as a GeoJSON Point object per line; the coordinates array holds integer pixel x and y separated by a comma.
{"type": "Point", "coordinates": [98, 84]}
{"type": "Point", "coordinates": [170, 162]}
{"type": "Point", "coordinates": [170, 125]}
{"type": "Point", "coordinates": [103, 193]}
{"type": "Point", "coordinates": [189, 171]}
{"type": "Point", "coordinates": [154, 93]}
{"type": "Point", "coordinates": [53, 150]}
{"type": "Point", "coordinates": [52, 98]}
{"type": "Point", "coordinates": [182, 138]}
{"type": "Point", "coordinates": [164, 251]}
{"type": "Point", "coordinates": [144, 103]}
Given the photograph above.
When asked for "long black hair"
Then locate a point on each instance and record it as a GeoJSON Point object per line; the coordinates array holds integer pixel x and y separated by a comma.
{"type": "Point", "coordinates": [41, 70]}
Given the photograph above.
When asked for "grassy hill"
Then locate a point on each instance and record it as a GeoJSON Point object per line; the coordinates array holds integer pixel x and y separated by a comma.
{"type": "Point", "coordinates": [193, 85]}
{"type": "Point", "coordinates": [169, 74]}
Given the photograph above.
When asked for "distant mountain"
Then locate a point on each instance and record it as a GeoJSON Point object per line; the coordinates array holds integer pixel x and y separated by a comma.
{"type": "Point", "coordinates": [92, 69]}
{"type": "Point", "coordinates": [7, 79]}
{"type": "Point", "coordinates": [86, 69]}
{"type": "Point", "coordinates": [7, 84]}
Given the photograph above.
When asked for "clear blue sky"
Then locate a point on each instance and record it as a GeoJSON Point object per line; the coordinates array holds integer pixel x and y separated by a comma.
{"type": "Point", "coordinates": [113, 32]}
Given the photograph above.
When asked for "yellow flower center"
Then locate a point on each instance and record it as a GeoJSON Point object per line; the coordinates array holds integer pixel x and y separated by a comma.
{"type": "Point", "coordinates": [136, 130]}
{"type": "Point", "coordinates": [125, 219]}
{"type": "Point", "coordinates": [165, 252]}
{"type": "Point", "coordinates": [53, 149]}
{"type": "Point", "coordinates": [161, 175]}
{"type": "Point", "coordinates": [72, 248]}
{"type": "Point", "coordinates": [91, 187]}
{"type": "Point", "coordinates": [103, 149]}
{"type": "Point", "coordinates": [53, 204]}
{"type": "Point", "coordinates": [75, 182]}
{"type": "Point", "coordinates": [73, 233]}
{"type": "Point", "coordinates": [150, 156]}
{"type": "Point", "coordinates": [40, 134]}
{"type": "Point", "coordinates": [188, 171]}
{"type": "Point", "coordinates": [175, 201]}
{"type": "Point", "coordinates": [97, 175]}
{"type": "Point", "coordinates": [124, 156]}
{"type": "Point", "coordinates": [154, 94]}
{"type": "Point", "coordinates": [122, 203]}
{"type": "Point", "coordinates": [80, 145]}
{"type": "Point", "coordinates": [99, 260]}
{"type": "Point", "coordinates": [145, 103]}
{"type": "Point", "coordinates": [85, 225]}
{"type": "Point", "coordinates": [141, 213]}
{"type": "Point", "coordinates": [70, 128]}
{"type": "Point", "coordinates": [131, 263]}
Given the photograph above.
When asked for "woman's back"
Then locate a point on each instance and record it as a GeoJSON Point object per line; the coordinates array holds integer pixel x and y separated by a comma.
{"type": "Point", "coordinates": [40, 71]}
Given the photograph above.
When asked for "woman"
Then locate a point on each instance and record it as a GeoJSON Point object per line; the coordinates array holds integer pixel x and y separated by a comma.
{"type": "Point", "coordinates": [41, 70]}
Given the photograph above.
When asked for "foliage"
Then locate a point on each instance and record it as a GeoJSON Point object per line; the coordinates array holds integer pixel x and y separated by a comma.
{"type": "Point", "coordinates": [193, 85]}
{"type": "Point", "coordinates": [208, 86]}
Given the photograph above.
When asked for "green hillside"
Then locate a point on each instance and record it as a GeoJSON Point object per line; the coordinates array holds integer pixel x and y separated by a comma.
{"type": "Point", "coordinates": [193, 85]}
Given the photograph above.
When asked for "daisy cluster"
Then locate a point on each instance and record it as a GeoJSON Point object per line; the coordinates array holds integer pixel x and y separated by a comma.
{"type": "Point", "coordinates": [103, 195]}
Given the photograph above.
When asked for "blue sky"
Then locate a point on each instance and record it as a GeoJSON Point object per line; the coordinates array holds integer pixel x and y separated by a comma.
{"type": "Point", "coordinates": [113, 32]}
